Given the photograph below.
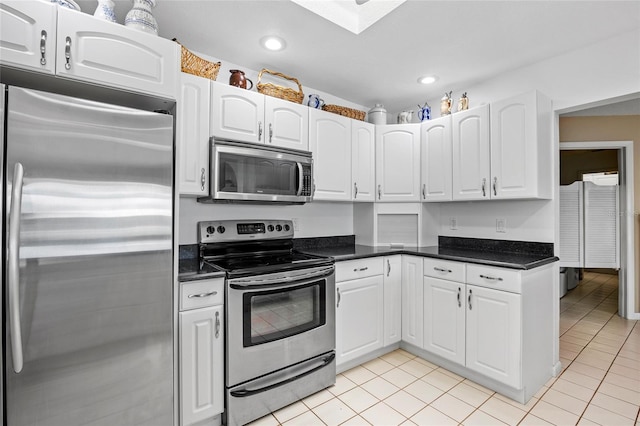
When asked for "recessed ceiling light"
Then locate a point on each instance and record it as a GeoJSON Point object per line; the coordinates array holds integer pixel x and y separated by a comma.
{"type": "Point", "coordinates": [273, 43]}
{"type": "Point", "coordinates": [427, 79]}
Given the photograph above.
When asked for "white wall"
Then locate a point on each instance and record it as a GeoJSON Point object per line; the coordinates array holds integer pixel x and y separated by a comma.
{"type": "Point", "coordinates": [314, 219]}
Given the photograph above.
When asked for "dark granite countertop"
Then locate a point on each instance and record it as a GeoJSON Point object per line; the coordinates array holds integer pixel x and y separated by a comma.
{"type": "Point", "coordinates": [190, 269]}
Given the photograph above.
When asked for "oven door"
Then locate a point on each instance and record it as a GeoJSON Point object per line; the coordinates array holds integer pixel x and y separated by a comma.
{"type": "Point", "coordinates": [277, 320]}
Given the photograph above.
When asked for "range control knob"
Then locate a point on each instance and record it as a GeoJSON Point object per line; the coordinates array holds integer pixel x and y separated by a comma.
{"type": "Point", "coordinates": [278, 228]}
{"type": "Point", "coordinates": [270, 228]}
{"type": "Point", "coordinates": [287, 228]}
{"type": "Point", "coordinates": [221, 229]}
{"type": "Point", "coordinates": [211, 229]}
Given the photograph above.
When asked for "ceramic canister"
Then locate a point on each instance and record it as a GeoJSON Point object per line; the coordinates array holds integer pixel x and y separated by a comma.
{"type": "Point", "coordinates": [377, 115]}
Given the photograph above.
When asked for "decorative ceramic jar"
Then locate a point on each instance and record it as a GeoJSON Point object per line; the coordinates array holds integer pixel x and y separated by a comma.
{"type": "Point", "coordinates": [463, 103]}
{"type": "Point", "coordinates": [377, 115]}
{"type": "Point", "coordinates": [105, 10]}
{"type": "Point", "coordinates": [140, 17]}
{"type": "Point", "coordinates": [445, 104]}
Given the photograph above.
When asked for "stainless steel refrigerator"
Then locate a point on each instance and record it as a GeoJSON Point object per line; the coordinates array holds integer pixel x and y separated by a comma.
{"type": "Point", "coordinates": [87, 262]}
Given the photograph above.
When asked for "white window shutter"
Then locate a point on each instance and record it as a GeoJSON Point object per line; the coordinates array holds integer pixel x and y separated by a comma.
{"type": "Point", "coordinates": [571, 225]}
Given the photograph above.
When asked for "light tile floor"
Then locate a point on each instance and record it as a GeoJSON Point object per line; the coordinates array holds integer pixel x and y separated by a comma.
{"type": "Point", "coordinates": [599, 384]}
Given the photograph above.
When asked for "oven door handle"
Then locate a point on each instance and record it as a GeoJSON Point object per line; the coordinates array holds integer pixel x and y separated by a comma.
{"type": "Point", "coordinates": [324, 361]}
{"type": "Point", "coordinates": [280, 280]}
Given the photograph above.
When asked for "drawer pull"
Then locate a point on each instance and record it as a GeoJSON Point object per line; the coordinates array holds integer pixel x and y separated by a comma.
{"type": "Point", "coordinates": [459, 302]}
{"type": "Point", "coordinates": [435, 268]}
{"type": "Point", "coordinates": [487, 277]}
{"type": "Point", "coordinates": [213, 293]}
{"type": "Point", "coordinates": [361, 269]}
{"type": "Point", "coordinates": [338, 303]}
{"type": "Point", "coordinates": [469, 300]}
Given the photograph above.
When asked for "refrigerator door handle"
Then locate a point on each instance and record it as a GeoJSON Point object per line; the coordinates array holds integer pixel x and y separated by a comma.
{"type": "Point", "coordinates": [14, 267]}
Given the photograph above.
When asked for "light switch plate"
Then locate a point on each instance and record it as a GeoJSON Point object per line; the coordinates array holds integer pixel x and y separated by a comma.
{"type": "Point", "coordinates": [501, 225]}
{"type": "Point", "coordinates": [453, 223]}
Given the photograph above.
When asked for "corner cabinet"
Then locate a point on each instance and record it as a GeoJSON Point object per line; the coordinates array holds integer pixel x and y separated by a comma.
{"type": "Point", "coordinates": [242, 115]}
{"type": "Point", "coordinates": [201, 350]}
{"type": "Point", "coordinates": [359, 308]}
{"type": "Point", "coordinates": [398, 162]}
{"type": "Point", "coordinates": [412, 300]}
{"type": "Point", "coordinates": [192, 135]}
{"type": "Point", "coordinates": [436, 162]}
{"type": "Point", "coordinates": [75, 45]}
{"type": "Point", "coordinates": [392, 299]}
{"type": "Point", "coordinates": [330, 143]}
{"type": "Point", "coordinates": [363, 161]}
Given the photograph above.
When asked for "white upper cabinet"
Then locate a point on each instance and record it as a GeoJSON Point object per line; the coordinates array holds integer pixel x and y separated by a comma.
{"type": "Point", "coordinates": [521, 145]}
{"type": "Point", "coordinates": [471, 154]}
{"type": "Point", "coordinates": [436, 154]}
{"type": "Point", "coordinates": [330, 143]}
{"type": "Point", "coordinates": [246, 116]}
{"type": "Point", "coordinates": [236, 114]}
{"type": "Point", "coordinates": [287, 124]}
{"type": "Point", "coordinates": [192, 135]}
{"type": "Point", "coordinates": [398, 162]}
{"type": "Point", "coordinates": [363, 161]}
{"type": "Point", "coordinates": [28, 35]}
{"type": "Point", "coordinates": [80, 47]}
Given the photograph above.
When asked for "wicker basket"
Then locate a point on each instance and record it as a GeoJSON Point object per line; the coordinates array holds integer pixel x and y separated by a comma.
{"type": "Point", "coordinates": [276, 91]}
{"type": "Point", "coordinates": [193, 64]}
{"type": "Point", "coordinates": [344, 111]}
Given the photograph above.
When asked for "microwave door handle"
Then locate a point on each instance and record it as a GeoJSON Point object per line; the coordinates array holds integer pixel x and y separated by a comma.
{"type": "Point", "coordinates": [300, 178]}
{"type": "Point", "coordinates": [14, 267]}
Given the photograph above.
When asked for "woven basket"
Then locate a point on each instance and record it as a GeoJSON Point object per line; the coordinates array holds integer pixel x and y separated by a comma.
{"type": "Point", "coordinates": [344, 111]}
{"type": "Point", "coordinates": [281, 92]}
{"type": "Point", "coordinates": [193, 64]}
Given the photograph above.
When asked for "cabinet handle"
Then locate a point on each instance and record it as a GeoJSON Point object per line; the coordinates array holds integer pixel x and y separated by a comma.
{"type": "Point", "coordinates": [388, 267]}
{"type": "Point", "coordinates": [217, 324]}
{"type": "Point", "coordinates": [67, 54]}
{"type": "Point", "coordinates": [355, 187]}
{"type": "Point", "coordinates": [459, 301]}
{"type": "Point", "coordinates": [379, 192]}
{"type": "Point", "coordinates": [338, 303]}
{"type": "Point", "coordinates": [495, 185]}
{"type": "Point", "coordinates": [424, 191]}
{"type": "Point", "coordinates": [361, 269]}
{"type": "Point", "coordinates": [43, 47]}
{"type": "Point", "coordinates": [213, 293]}
{"type": "Point", "coordinates": [203, 179]}
{"type": "Point", "coordinates": [469, 300]}
{"type": "Point", "coordinates": [490, 278]}
{"type": "Point", "coordinates": [435, 268]}
{"type": "Point", "coordinates": [270, 132]}
{"type": "Point", "coordinates": [259, 131]}
{"type": "Point", "coordinates": [484, 187]}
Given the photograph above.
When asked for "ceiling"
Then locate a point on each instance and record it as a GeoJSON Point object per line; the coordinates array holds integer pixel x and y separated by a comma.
{"type": "Point", "coordinates": [462, 42]}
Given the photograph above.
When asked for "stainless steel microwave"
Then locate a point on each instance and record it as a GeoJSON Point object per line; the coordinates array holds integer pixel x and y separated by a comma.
{"type": "Point", "coordinates": [245, 172]}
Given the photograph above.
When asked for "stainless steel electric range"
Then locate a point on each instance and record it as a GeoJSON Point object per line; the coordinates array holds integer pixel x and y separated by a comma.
{"type": "Point", "coordinates": [280, 315]}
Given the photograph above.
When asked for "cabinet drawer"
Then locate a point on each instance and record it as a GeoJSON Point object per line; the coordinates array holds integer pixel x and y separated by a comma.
{"type": "Point", "coordinates": [360, 268]}
{"type": "Point", "coordinates": [198, 294]}
{"type": "Point", "coordinates": [444, 269]}
{"type": "Point", "coordinates": [497, 278]}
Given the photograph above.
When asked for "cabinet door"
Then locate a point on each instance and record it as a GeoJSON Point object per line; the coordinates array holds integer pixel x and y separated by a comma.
{"type": "Point", "coordinates": [330, 143]}
{"type": "Point", "coordinates": [201, 364]}
{"type": "Point", "coordinates": [359, 317]}
{"type": "Point", "coordinates": [28, 35]}
{"type": "Point", "coordinates": [99, 51]}
{"type": "Point", "coordinates": [236, 114]}
{"type": "Point", "coordinates": [398, 162]}
{"type": "Point", "coordinates": [412, 300]}
{"type": "Point", "coordinates": [436, 159]}
{"type": "Point", "coordinates": [392, 299]}
{"type": "Point", "coordinates": [287, 124]}
{"type": "Point", "coordinates": [444, 318]}
{"type": "Point", "coordinates": [363, 166]}
{"type": "Point", "coordinates": [471, 156]}
{"type": "Point", "coordinates": [515, 147]}
{"type": "Point", "coordinates": [494, 334]}
{"type": "Point", "coordinates": [192, 135]}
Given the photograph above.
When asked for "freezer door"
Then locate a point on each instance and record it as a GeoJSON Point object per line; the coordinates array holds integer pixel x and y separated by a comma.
{"type": "Point", "coordinates": [91, 242]}
{"type": "Point", "coordinates": [2, 101]}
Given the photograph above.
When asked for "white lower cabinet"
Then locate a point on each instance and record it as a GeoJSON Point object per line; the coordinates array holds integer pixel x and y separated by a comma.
{"type": "Point", "coordinates": [412, 300]}
{"type": "Point", "coordinates": [201, 328]}
{"type": "Point", "coordinates": [392, 299]}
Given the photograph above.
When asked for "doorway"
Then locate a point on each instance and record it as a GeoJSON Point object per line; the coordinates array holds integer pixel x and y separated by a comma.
{"type": "Point", "coordinates": [610, 156]}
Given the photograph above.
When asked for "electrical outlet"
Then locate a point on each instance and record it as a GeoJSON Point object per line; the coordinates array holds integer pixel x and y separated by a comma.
{"type": "Point", "coordinates": [453, 223]}
{"type": "Point", "coordinates": [501, 225]}
{"type": "Point", "coordinates": [296, 225]}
